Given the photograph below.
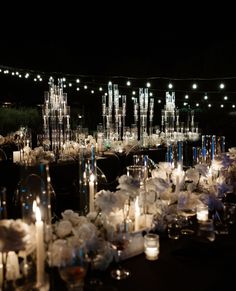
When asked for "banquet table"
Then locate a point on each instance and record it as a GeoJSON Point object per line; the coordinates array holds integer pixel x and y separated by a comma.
{"type": "Point", "coordinates": [187, 264]}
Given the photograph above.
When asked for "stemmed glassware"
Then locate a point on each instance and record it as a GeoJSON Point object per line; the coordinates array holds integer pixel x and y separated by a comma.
{"type": "Point", "coordinates": [73, 266]}
{"type": "Point", "coordinates": [186, 208]}
{"type": "Point", "coordinates": [120, 240]}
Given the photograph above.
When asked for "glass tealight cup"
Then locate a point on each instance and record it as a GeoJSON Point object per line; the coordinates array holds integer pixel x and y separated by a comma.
{"type": "Point", "coordinates": [151, 246]}
{"type": "Point", "coordinates": [206, 230]}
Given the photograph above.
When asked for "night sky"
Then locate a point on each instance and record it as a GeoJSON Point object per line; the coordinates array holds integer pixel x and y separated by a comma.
{"type": "Point", "coordinates": [124, 46]}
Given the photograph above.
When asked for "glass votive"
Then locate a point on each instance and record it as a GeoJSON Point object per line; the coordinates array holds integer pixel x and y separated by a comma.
{"type": "Point", "coordinates": [202, 212]}
{"type": "Point", "coordinates": [151, 246]}
{"type": "Point", "coordinates": [206, 230]}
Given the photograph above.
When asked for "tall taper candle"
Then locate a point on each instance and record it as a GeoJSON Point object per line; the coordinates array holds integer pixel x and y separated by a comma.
{"type": "Point", "coordinates": [91, 192]}
{"type": "Point", "coordinates": [136, 214]}
{"type": "Point", "coordinates": [40, 255]}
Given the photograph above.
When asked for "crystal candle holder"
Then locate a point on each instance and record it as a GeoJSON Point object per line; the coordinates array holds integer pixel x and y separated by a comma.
{"type": "Point", "coordinates": [151, 246]}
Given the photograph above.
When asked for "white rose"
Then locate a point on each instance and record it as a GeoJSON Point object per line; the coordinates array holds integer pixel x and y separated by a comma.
{"type": "Point", "coordinates": [64, 228]}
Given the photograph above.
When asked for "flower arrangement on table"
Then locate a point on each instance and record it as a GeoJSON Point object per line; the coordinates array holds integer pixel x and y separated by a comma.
{"type": "Point", "coordinates": [157, 201]}
{"type": "Point", "coordinates": [73, 230]}
{"type": "Point", "coordinates": [17, 240]}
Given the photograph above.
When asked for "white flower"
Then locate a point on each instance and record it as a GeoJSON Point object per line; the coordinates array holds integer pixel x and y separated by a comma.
{"type": "Point", "coordinates": [162, 171]}
{"type": "Point", "coordinates": [14, 235]}
{"type": "Point", "coordinates": [202, 169]}
{"type": "Point", "coordinates": [178, 173]}
{"type": "Point", "coordinates": [193, 175]}
{"type": "Point", "coordinates": [64, 228]}
{"type": "Point", "coordinates": [74, 217]}
{"type": "Point", "coordinates": [232, 151]}
{"type": "Point", "coordinates": [130, 185]}
{"type": "Point", "coordinates": [108, 201]}
{"type": "Point", "coordinates": [86, 232]}
{"type": "Point", "coordinates": [161, 185]}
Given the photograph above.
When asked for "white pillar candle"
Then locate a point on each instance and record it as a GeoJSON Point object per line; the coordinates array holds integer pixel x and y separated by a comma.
{"type": "Point", "coordinates": [177, 186]}
{"type": "Point", "coordinates": [136, 214]}
{"type": "Point", "coordinates": [40, 256]}
{"type": "Point", "coordinates": [210, 180]}
{"type": "Point", "coordinates": [13, 268]}
{"type": "Point", "coordinates": [91, 192]}
{"type": "Point", "coordinates": [1, 269]}
{"type": "Point", "coordinates": [16, 156]}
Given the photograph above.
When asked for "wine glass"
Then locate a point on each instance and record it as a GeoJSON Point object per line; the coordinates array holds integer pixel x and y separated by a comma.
{"type": "Point", "coordinates": [186, 207]}
{"type": "Point", "coordinates": [120, 240]}
{"type": "Point", "coordinates": [73, 266]}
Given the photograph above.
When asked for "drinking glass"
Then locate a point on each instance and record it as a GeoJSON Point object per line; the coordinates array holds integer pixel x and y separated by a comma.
{"type": "Point", "coordinates": [120, 240]}
{"type": "Point", "coordinates": [73, 266]}
{"type": "Point", "coordinates": [138, 173]}
{"type": "Point", "coordinates": [186, 207]}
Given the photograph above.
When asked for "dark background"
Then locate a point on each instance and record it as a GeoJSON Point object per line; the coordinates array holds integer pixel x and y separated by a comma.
{"type": "Point", "coordinates": [123, 42]}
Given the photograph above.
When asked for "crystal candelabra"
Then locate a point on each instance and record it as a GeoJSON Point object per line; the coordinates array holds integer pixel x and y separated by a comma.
{"type": "Point", "coordinates": [56, 116]}
{"type": "Point", "coordinates": [173, 132]}
{"type": "Point", "coordinates": [143, 105]}
{"type": "Point", "coordinates": [113, 113]}
{"type": "Point", "coordinates": [172, 129]}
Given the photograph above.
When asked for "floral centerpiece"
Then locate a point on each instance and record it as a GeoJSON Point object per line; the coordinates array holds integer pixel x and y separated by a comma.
{"type": "Point", "coordinates": [74, 230]}
{"type": "Point", "coordinates": [17, 240]}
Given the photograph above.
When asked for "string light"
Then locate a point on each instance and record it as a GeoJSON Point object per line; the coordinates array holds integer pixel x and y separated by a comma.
{"type": "Point", "coordinates": [97, 84]}
{"type": "Point", "coordinates": [222, 105]}
{"type": "Point", "coordinates": [209, 105]}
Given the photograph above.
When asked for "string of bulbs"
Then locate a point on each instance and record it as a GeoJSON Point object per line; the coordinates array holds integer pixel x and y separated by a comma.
{"type": "Point", "coordinates": [157, 85]}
